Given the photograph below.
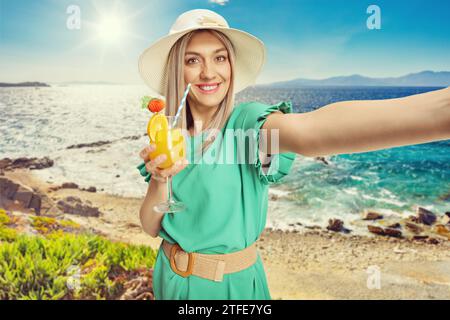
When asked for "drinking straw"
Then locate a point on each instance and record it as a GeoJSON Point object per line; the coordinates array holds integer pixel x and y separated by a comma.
{"type": "Point", "coordinates": [180, 107]}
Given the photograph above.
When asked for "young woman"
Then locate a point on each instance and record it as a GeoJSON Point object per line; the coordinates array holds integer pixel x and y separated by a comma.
{"type": "Point", "coordinates": [208, 250]}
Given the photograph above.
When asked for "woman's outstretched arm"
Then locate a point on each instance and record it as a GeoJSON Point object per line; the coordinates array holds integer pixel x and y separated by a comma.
{"type": "Point", "coordinates": [362, 125]}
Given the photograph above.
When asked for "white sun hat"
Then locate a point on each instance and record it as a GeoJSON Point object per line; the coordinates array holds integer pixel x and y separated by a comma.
{"type": "Point", "coordinates": [250, 51]}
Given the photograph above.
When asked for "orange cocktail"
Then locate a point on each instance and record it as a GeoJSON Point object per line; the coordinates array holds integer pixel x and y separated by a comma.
{"type": "Point", "coordinates": [165, 132]}
{"type": "Point", "coordinates": [168, 138]}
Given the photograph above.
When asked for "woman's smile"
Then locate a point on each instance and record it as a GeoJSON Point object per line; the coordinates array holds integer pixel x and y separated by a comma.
{"type": "Point", "coordinates": [208, 88]}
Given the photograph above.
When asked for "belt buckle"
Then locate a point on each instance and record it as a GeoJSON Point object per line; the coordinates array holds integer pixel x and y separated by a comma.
{"type": "Point", "coordinates": [173, 251]}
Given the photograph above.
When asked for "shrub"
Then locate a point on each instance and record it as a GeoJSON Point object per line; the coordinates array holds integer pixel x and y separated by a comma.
{"type": "Point", "coordinates": [45, 225]}
{"type": "Point", "coordinates": [42, 267]}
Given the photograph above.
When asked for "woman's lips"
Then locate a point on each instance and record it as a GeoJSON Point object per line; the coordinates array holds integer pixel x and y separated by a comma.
{"type": "Point", "coordinates": [209, 91]}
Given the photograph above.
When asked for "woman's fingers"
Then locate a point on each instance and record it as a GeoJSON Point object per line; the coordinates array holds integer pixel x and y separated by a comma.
{"type": "Point", "coordinates": [152, 165]}
{"type": "Point", "coordinates": [173, 170]}
{"type": "Point", "coordinates": [145, 153]}
{"type": "Point", "coordinates": [156, 175]}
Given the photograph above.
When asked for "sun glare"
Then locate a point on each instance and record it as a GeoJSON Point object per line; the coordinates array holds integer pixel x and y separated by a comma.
{"type": "Point", "coordinates": [110, 29]}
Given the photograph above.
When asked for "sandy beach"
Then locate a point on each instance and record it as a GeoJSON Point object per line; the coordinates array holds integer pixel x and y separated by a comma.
{"type": "Point", "coordinates": [305, 263]}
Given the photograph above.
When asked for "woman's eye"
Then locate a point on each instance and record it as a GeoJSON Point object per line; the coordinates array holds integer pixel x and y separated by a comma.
{"type": "Point", "coordinates": [189, 60]}
{"type": "Point", "coordinates": [192, 60]}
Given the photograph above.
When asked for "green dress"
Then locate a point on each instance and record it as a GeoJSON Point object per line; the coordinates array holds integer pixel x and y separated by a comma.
{"type": "Point", "coordinates": [226, 212]}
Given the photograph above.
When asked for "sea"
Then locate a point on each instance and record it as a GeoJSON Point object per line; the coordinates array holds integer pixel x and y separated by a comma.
{"type": "Point", "coordinates": [45, 121]}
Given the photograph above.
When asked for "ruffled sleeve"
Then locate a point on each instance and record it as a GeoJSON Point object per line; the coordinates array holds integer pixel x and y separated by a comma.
{"type": "Point", "coordinates": [144, 172]}
{"type": "Point", "coordinates": [252, 116]}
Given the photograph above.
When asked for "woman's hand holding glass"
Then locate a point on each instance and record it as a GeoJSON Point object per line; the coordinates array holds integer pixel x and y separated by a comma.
{"type": "Point", "coordinates": [152, 166]}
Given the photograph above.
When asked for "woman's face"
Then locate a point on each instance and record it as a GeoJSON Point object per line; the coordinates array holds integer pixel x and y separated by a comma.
{"type": "Point", "coordinates": [207, 68]}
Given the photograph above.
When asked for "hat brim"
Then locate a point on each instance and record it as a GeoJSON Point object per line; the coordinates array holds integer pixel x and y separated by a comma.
{"type": "Point", "coordinates": [250, 58]}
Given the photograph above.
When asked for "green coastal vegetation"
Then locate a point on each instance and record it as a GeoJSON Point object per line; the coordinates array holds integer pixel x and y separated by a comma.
{"type": "Point", "coordinates": [50, 258]}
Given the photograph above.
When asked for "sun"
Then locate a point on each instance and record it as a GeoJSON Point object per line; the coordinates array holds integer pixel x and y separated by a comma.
{"type": "Point", "coordinates": [111, 29]}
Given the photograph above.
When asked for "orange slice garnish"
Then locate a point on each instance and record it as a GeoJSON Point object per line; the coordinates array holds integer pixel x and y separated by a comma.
{"type": "Point", "coordinates": [157, 122]}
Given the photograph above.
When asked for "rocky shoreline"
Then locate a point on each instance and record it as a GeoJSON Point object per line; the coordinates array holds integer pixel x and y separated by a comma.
{"type": "Point", "coordinates": [304, 262]}
{"type": "Point", "coordinates": [425, 226]}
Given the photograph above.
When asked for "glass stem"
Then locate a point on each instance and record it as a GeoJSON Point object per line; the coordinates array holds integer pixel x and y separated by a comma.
{"type": "Point", "coordinates": [169, 189]}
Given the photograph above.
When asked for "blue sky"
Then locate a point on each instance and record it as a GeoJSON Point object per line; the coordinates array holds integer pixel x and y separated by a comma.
{"type": "Point", "coordinates": [304, 38]}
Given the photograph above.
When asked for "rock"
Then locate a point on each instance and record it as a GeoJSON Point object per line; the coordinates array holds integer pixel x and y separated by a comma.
{"type": "Point", "coordinates": [395, 225]}
{"type": "Point", "coordinates": [23, 195]}
{"type": "Point", "coordinates": [22, 163]}
{"type": "Point", "coordinates": [35, 203]}
{"type": "Point", "coordinates": [8, 188]}
{"type": "Point", "coordinates": [337, 225]}
{"type": "Point", "coordinates": [73, 199]}
{"type": "Point", "coordinates": [90, 189]}
{"type": "Point", "coordinates": [315, 227]}
{"type": "Point", "coordinates": [373, 216]}
{"type": "Point", "coordinates": [420, 237]}
{"type": "Point", "coordinates": [414, 228]}
{"type": "Point", "coordinates": [443, 230]}
{"type": "Point", "coordinates": [48, 206]}
{"type": "Point", "coordinates": [4, 163]}
{"type": "Point", "coordinates": [433, 241]}
{"type": "Point", "coordinates": [117, 175]}
{"type": "Point", "coordinates": [19, 196]}
{"type": "Point", "coordinates": [69, 185]}
{"type": "Point", "coordinates": [322, 159]}
{"type": "Point", "coordinates": [385, 232]}
{"type": "Point", "coordinates": [88, 145]}
{"type": "Point", "coordinates": [393, 232]}
{"type": "Point", "coordinates": [376, 230]}
{"type": "Point", "coordinates": [74, 205]}
{"type": "Point", "coordinates": [425, 216]}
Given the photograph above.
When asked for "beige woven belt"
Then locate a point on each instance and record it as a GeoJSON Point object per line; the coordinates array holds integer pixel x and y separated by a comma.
{"type": "Point", "coordinates": [208, 266]}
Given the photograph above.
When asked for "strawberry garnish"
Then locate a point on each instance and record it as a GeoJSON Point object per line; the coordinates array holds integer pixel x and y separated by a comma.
{"type": "Point", "coordinates": [154, 105]}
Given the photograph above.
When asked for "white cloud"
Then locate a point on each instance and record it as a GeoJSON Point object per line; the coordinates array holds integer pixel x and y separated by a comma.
{"type": "Point", "coordinates": [219, 2]}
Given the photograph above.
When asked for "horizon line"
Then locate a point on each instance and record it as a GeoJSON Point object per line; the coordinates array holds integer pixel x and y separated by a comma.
{"type": "Point", "coordinates": [286, 80]}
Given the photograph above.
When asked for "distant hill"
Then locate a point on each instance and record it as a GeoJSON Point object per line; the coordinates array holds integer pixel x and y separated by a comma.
{"type": "Point", "coordinates": [421, 79]}
{"type": "Point", "coordinates": [24, 84]}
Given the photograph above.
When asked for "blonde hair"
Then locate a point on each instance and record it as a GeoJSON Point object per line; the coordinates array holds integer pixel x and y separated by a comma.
{"type": "Point", "coordinates": [176, 87]}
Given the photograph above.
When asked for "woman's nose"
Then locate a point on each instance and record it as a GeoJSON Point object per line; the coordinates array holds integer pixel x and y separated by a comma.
{"type": "Point", "coordinates": [207, 71]}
